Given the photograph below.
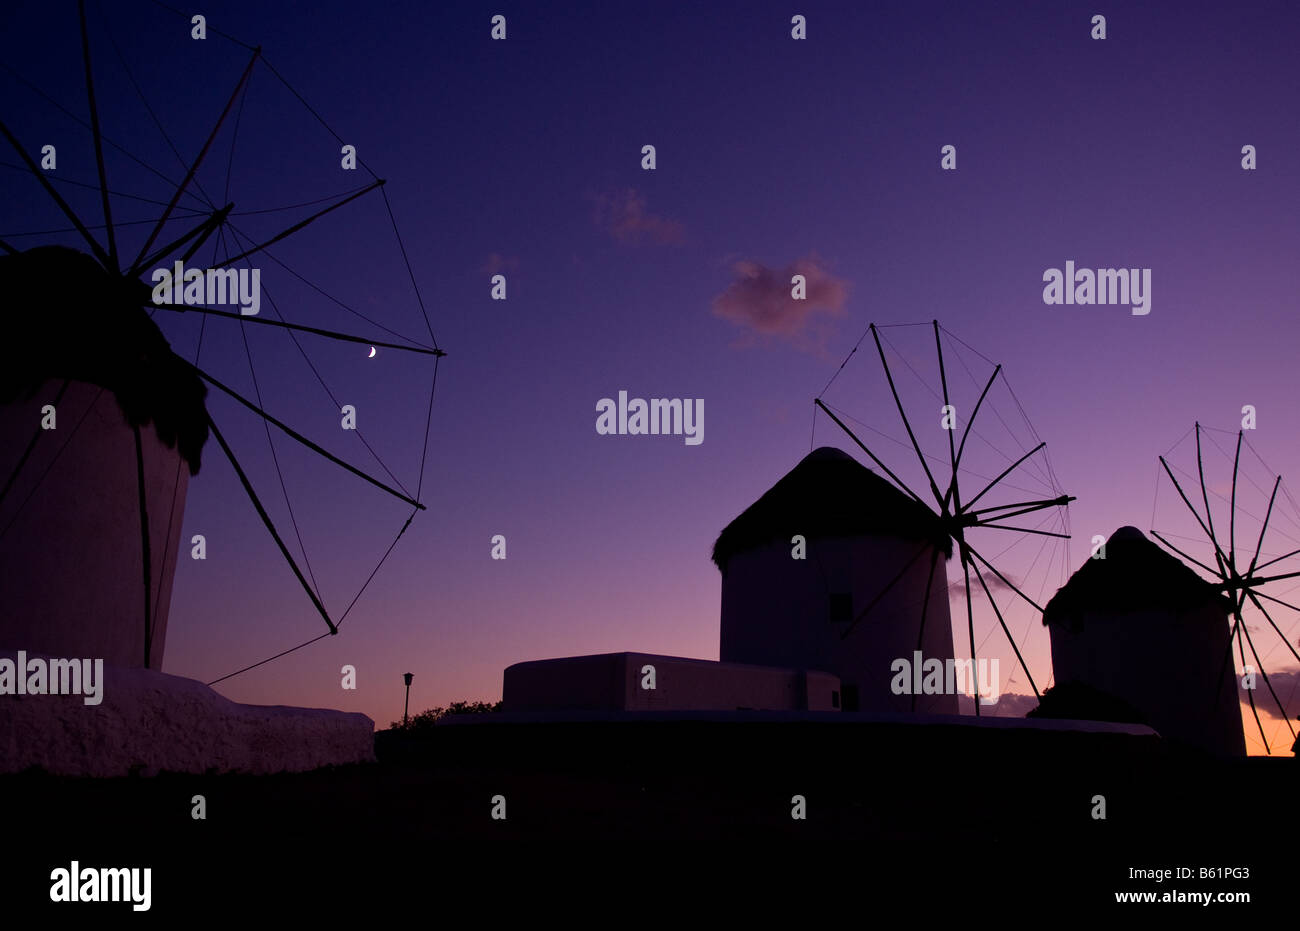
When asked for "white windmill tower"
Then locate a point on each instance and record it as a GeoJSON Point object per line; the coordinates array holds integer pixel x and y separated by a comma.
{"type": "Point", "coordinates": [859, 531]}
{"type": "Point", "coordinates": [1114, 626]}
{"type": "Point", "coordinates": [872, 592]}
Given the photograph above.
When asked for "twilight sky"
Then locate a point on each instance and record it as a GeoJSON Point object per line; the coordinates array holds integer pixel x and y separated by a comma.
{"type": "Point", "coordinates": [774, 156]}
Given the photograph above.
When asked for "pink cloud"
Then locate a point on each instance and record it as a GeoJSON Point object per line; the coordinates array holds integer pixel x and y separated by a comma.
{"type": "Point", "coordinates": [1008, 705]}
{"type": "Point", "coordinates": [760, 298]}
{"type": "Point", "coordinates": [1285, 683]}
{"type": "Point", "coordinates": [623, 215]}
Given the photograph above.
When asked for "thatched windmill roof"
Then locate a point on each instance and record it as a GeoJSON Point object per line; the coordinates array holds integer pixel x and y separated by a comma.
{"type": "Point", "coordinates": [829, 494]}
{"type": "Point", "coordinates": [69, 319]}
{"type": "Point", "coordinates": [1136, 575]}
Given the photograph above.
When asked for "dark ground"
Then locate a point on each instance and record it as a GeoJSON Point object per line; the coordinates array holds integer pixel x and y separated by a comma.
{"type": "Point", "coordinates": [945, 822]}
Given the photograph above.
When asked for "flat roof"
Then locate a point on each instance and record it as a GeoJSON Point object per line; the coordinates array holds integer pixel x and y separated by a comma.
{"type": "Point", "coordinates": [662, 657]}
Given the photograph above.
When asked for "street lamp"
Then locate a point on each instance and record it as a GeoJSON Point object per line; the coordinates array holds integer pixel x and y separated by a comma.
{"type": "Point", "coordinates": [408, 677]}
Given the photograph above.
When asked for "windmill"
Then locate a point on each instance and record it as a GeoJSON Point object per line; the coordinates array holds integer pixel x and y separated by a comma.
{"type": "Point", "coordinates": [1242, 582]}
{"type": "Point", "coordinates": [118, 343]}
{"type": "Point", "coordinates": [973, 520]}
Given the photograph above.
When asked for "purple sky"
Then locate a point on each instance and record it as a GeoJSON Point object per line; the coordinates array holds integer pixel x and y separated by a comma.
{"type": "Point", "coordinates": [820, 156]}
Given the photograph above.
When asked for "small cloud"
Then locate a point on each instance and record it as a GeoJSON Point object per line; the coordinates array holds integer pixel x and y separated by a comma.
{"type": "Point", "coordinates": [958, 589]}
{"type": "Point", "coordinates": [497, 263]}
{"type": "Point", "coordinates": [623, 215]}
{"type": "Point", "coordinates": [1009, 705]}
{"type": "Point", "coordinates": [759, 299]}
{"type": "Point", "coordinates": [1286, 683]}
{"type": "Point", "coordinates": [782, 412]}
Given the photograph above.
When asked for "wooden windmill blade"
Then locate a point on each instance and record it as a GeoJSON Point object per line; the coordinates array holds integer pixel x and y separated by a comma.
{"type": "Point", "coordinates": [1241, 583]}
{"type": "Point", "coordinates": [954, 511]}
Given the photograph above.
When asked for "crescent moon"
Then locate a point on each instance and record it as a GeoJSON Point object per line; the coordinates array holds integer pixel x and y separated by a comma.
{"type": "Point", "coordinates": [372, 353]}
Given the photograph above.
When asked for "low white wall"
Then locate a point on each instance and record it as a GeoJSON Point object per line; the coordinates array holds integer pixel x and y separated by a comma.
{"type": "Point", "coordinates": [153, 721]}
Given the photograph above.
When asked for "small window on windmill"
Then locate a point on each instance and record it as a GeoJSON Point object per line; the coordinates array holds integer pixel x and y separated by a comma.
{"type": "Point", "coordinates": [841, 607]}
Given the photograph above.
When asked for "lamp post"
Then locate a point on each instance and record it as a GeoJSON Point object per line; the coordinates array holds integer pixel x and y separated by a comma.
{"type": "Point", "coordinates": [408, 677]}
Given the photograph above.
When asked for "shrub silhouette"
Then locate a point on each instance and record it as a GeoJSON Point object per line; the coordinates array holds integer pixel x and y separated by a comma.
{"type": "Point", "coordinates": [419, 723]}
{"type": "Point", "coordinates": [1081, 702]}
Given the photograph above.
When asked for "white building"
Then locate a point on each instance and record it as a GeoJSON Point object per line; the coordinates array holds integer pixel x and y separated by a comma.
{"type": "Point", "coordinates": [650, 682]}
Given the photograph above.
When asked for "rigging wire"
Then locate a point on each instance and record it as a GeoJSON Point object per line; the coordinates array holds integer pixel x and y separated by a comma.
{"type": "Point", "coordinates": [86, 125]}
{"type": "Point", "coordinates": [189, 211]}
{"type": "Point", "coordinates": [306, 203]}
{"type": "Point", "coordinates": [236, 236]}
{"type": "Point", "coordinates": [317, 288]}
{"type": "Point", "coordinates": [992, 405]}
{"type": "Point", "coordinates": [275, 460]}
{"type": "Point", "coordinates": [966, 470]}
{"type": "Point", "coordinates": [152, 115]}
